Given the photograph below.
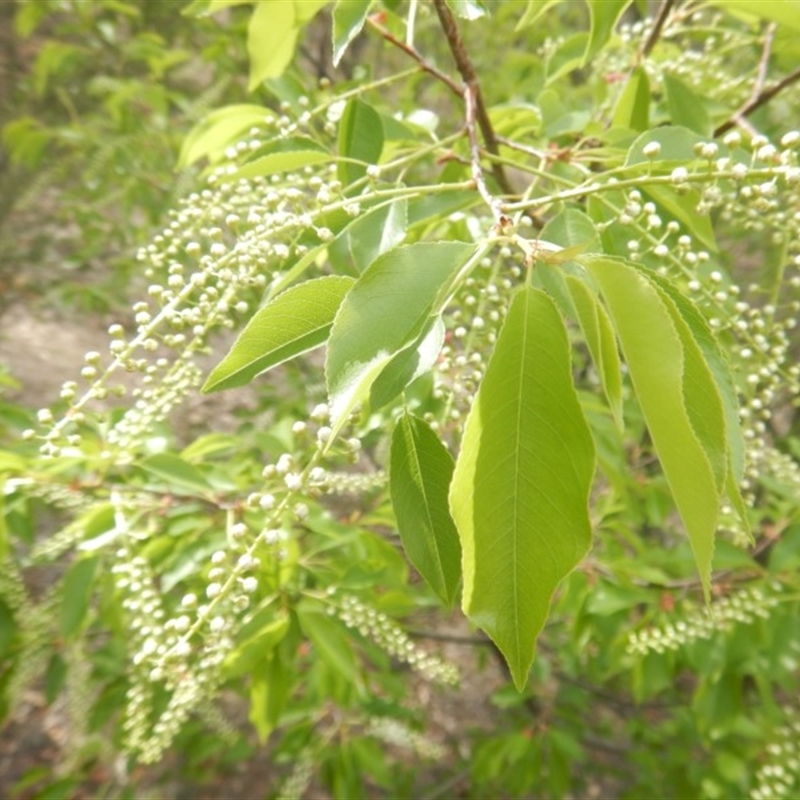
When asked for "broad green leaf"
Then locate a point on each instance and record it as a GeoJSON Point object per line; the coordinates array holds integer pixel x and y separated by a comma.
{"type": "Point", "coordinates": [599, 335]}
{"type": "Point", "coordinates": [633, 107]}
{"type": "Point", "coordinates": [605, 16]}
{"type": "Point", "coordinates": [375, 232]}
{"type": "Point", "coordinates": [654, 353]}
{"type": "Point", "coordinates": [348, 20]}
{"type": "Point", "coordinates": [217, 130]}
{"type": "Point", "coordinates": [784, 12]}
{"type": "Point", "coordinates": [719, 367]}
{"type": "Point", "coordinates": [389, 306]}
{"type": "Point", "coordinates": [294, 322]}
{"type": "Point", "coordinates": [76, 591]}
{"type": "Point", "coordinates": [272, 36]}
{"type": "Point", "coordinates": [420, 472]}
{"type": "Point", "coordinates": [175, 472]}
{"type": "Point", "coordinates": [570, 228]}
{"type": "Point", "coordinates": [414, 360]}
{"type": "Point", "coordinates": [677, 147]}
{"type": "Point", "coordinates": [520, 490]}
{"type": "Point", "coordinates": [360, 139]}
{"type": "Point", "coordinates": [533, 11]}
{"type": "Point", "coordinates": [686, 108]}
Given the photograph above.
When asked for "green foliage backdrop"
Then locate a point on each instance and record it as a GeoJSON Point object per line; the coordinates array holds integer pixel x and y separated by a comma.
{"type": "Point", "coordinates": [515, 289]}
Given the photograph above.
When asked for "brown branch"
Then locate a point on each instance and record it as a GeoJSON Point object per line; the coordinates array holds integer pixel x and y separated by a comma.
{"type": "Point", "coordinates": [755, 103]}
{"type": "Point", "coordinates": [472, 92]}
{"type": "Point", "coordinates": [417, 56]}
{"type": "Point", "coordinates": [655, 34]}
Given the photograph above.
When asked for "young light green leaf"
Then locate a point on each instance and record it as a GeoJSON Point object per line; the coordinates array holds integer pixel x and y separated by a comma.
{"type": "Point", "coordinates": [348, 20]}
{"type": "Point", "coordinates": [420, 472]}
{"type": "Point", "coordinates": [633, 106]}
{"type": "Point", "coordinates": [686, 108]}
{"type": "Point", "coordinates": [272, 36]}
{"type": "Point", "coordinates": [600, 339]}
{"type": "Point", "coordinates": [294, 322]}
{"type": "Point", "coordinates": [655, 354]}
{"type": "Point", "coordinates": [388, 308]}
{"type": "Point", "coordinates": [605, 15]}
{"type": "Point", "coordinates": [360, 139]}
{"type": "Point", "coordinates": [520, 489]}
{"type": "Point", "coordinates": [283, 161]}
{"type": "Point", "coordinates": [75, 594]}
{"type": "Point", "coordinates": [329, 639]}
{"type": "Point", "coordinates": [217, 130]}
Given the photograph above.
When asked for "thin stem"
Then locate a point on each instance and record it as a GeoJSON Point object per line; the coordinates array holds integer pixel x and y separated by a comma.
{"type": "Point", "coordinates": [417, 56]}
{"type": "Point", "coordinates": [663, 13]}
{"type": "Point", "coordinates": [755, 103]}
{"type": "Point", "coordinates": [467, 72]}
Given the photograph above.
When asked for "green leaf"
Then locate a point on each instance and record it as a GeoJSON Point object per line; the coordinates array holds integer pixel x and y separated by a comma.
{"type": "Point", "coordinates": [685, 107]}
{"type": "Point", "coordinates": [677, 147]}
{"type": "Point", "coordinates": [331, 643]}
{"type": "Point", "coordinates": [217, 130]}
{"type": "Point", "coordinates": [468, 9]}
{"type": "Point", "coordinates": [256, 648]}
{"type": "Point", "coordinates": [388, 308]}
{"type": "Point", "coordinates": [520, 490]}
{"type": "Point", "coordinates": [294, 322]}
{"type": "Point", "coordinates": [272, 36]}
{"type": "Point", "coordinates": [657, 360]}
{"type": "Point", "coordinates": [269, 689]}
{"type": "Point", "coordinates": [360, 139]}
{"type": "Point", "coordinates": [375, 232]}
{"type": "Point", "coordinates": [75, 594]}
{"type": "Point", "coordinates": [533, 11]}
{"type": "Point", "coordinates": [284, 161]}
{"type": "Point", "coordinates": [348, 20]}
{"type": "Point", "coordinates": [420, 472]}
{"type": "Point", "coordinates": [784, 12]}
{"type": "Point", "coordinates": [605, 16]}
{"type": "Point", "coordinates": [684, 208]}
{"type": "Point", "coordinates": [600, 339]}
{"type": "Point", "coordinates": [633, 106]}
{"type": "Point", "coordinates": [176, 472]}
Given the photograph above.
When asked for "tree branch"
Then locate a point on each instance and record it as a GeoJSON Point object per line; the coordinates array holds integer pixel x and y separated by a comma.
{"type": "Point", "coordinates": [417, 56]}
{"type": "Point", "coordinates": [655, 34]}
{"type": "Point", "coordinates": [757, 102]}
{"type": "Point", "coordinates": [472, 95]}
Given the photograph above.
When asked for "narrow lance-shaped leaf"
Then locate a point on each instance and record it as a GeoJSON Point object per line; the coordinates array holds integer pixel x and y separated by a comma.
{"type": "Point", "coordinates": [605, 15]}
{"type": "Point", "coordinates": [420, 474]}
{"type": "Point", "coordinates": [360, 140]}
{"type": "Point", "coordinates": [521, 485]}
{"type": "Point", "coordinates": [389, 306]}
{"type": "Point", "coordinates": [294, 322]}
{"type": "Point", "coordinates": [600, 339]}
{"type": "Point", "coordinates": [655, 355]}
{"type": "Point", "coordinates": [348, 20]}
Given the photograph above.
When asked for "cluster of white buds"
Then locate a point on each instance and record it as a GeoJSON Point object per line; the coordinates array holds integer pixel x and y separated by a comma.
{"type": "Point", "coordinates": [777, 779]}
{"type": "Point", "coordinates": [299, 779]}
{"type": "Point", "coordinates": [397, 733]}
{"type": "Point", "coordinates": [740, 608]}
{"type": "Point", "coordinates": [389, 636]}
